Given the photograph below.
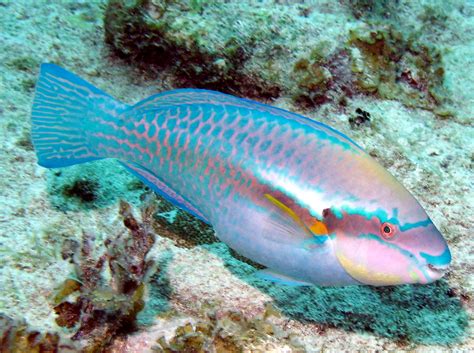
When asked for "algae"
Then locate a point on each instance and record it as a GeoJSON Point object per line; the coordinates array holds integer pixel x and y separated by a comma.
{"type": "Point", "coordinates": [229, 332]}
{"type": "Point", "coordinates": [105, 308]}
{"type": "Point", "coordinates": [386, 63]}
{"type": "Point", "coordinates": [18, 337]}
{"type": "Point", "coordinates": [155, 33]}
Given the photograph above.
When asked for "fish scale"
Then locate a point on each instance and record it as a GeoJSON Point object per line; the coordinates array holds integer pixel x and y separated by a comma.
{"type": "Point", "coordinates": [290, 193]}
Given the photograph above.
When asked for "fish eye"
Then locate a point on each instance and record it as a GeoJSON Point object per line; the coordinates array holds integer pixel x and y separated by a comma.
{"type": "Point", "coordinates": [387, 230]}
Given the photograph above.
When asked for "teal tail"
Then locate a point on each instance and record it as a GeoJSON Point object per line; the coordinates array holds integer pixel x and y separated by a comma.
{"type": "Point", "coordinates": [65, 111]}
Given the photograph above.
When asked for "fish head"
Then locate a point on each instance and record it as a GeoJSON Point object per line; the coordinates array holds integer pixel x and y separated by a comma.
{"type": "Point", "coordinates": [387, 242]}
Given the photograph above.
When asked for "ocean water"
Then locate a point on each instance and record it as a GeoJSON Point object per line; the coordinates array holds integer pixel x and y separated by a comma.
{"type": "Point", "coordinates": [91, 259]}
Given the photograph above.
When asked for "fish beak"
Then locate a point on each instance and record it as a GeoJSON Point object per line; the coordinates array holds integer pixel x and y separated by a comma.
{"type": "Point", "coordinates": [435, 272]}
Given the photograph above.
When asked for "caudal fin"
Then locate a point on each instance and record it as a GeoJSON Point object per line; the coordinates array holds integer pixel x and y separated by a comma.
{"type": "Point", "coordinates": [65, 110]}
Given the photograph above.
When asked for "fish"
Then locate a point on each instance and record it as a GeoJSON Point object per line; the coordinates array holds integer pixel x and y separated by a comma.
{"type": "Point", "coordinates": [288, 192]}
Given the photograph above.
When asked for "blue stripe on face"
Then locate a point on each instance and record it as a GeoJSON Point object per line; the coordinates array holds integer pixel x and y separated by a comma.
{"type": "Point", "coordinates": [407, 226]}
{"type": "Point", "coordinates": [443, 259]}
{"type": "Point", "coordinates": [382, 215]}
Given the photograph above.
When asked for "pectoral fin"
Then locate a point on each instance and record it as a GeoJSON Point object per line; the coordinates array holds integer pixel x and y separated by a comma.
{"type": "Point", "coordinates": [313, 231]}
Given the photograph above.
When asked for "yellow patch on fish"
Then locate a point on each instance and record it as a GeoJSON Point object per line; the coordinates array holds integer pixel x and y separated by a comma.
{"type": "Point", "coordinates": [360, 273]}
{"type": "Point", "coordinates": [317, 228]}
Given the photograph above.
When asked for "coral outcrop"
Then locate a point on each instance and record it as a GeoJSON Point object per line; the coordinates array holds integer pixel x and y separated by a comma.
{"type": "Point", "coordinates": [262, 55]}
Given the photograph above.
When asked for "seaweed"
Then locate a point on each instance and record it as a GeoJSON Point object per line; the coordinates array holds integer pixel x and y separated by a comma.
{"type": "Point", "coordinates": [106, 308]}
{"type": "Point", "coordinates": [18, 337]}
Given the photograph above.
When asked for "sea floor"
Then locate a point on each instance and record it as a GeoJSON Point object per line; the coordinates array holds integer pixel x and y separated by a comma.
{"type": "Point", "coordinates": [433, 158]}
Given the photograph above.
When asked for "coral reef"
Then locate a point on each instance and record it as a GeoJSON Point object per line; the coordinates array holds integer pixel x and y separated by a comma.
{"type": "Point", "coordinates": [154, 32]}
{"type": "Point", "coordinates": [105, 308]}
{"type": "Point", "coordinates": [383, 61]}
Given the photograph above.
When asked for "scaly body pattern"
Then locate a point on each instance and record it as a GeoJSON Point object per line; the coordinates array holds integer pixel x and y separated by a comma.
{"type": "Point", "coordinates": [290, 193]}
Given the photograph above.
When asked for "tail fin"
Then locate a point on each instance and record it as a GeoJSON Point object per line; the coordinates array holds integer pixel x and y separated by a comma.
{"type": "Point", "coordinates": [65, 110]}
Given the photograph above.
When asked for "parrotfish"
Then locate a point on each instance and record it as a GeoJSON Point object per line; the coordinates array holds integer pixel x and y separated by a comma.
{"type": "Point", "coordinates": [286, 191]}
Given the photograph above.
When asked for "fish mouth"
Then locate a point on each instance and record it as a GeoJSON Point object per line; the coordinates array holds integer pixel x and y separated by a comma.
{"type": "Point", "coordinates": [436, 271]}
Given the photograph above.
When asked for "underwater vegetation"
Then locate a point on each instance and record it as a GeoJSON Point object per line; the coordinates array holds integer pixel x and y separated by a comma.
{"type": "Point", "coordinates": [387, 63]}
{"type": "Point", "coordinates": [228, 332]}
{"type": "Point", "coordinates": [98, 308]}
{"type": "Point", "coordinates": [408, 314]}
{"type": "Point", "coordinates": [259, 58]}
{"type": "Point", "coordinates": [17, 337]}
{"type": "Point", "coordinates": [198, 57]}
